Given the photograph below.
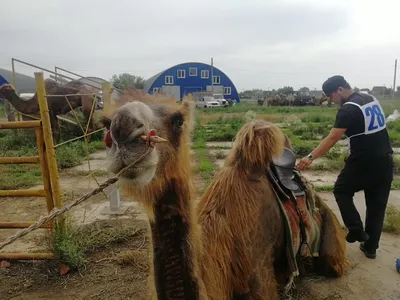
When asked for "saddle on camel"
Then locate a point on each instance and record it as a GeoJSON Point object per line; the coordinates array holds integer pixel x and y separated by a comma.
{"type": "Point", "coordinates": [297, 207]}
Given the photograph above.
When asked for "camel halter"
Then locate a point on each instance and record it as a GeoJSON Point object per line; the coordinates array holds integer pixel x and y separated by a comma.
{"type": "Point", "coordinates": [150, 138]}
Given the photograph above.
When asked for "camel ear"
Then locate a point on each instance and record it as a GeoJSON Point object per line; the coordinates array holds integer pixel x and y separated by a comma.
{"type": "Point", "coordinates": [106, 121]}
{"type": "Point", "coordinates": [188, 110]}
{"type": "Point", "coordinates": [177, 121]}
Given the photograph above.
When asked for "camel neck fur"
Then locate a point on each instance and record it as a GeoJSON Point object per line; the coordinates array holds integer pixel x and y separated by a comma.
{"type": "Point", "coordinates": [174, 244]}
{"type": "Point", "coordinates": [175, 234]}
{"type": "Point", "coordinates": [30, 106]}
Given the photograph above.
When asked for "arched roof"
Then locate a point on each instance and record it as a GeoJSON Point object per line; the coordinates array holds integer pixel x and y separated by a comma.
{"type": "Point", "coordinates": [25, 83]}
{"type": "Point", "coordinates": [152, 79]}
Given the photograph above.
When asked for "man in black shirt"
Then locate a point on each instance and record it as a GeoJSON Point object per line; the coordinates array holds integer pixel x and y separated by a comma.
{"type": "Point", "coordinates": [368, 167]}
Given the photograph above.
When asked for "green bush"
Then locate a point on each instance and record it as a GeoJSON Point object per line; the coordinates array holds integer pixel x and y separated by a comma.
{"type": "Point", "coordinates": [70, 131]}
{"type": "Point", "coordinates": [392, 220]}
{"type": "Point", "coordinates": [334, 153]}
{"type": "Point", "coordinates": [302, 149]}
{"type": "Point", "coordinates": [17, 139]}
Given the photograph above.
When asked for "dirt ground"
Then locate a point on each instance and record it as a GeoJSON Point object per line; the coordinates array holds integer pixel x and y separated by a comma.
{"type": "Point", "coordinates": [119, 270]}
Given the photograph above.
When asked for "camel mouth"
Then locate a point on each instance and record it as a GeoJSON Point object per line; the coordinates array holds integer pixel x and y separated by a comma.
{"type": "Point", "coordinates": [138, 177]}
{"type": "Point", "coordinates": [141, 175]}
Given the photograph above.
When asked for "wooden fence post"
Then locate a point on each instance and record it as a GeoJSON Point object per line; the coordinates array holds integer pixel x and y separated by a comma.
{"type": "Point", "coordinates": [49, 143]}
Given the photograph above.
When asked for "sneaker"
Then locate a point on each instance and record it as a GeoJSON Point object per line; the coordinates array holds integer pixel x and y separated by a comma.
{"type": "Point", "coordinates": [368, 253]}
{"type": "Point", "coordinates": [359, 236]}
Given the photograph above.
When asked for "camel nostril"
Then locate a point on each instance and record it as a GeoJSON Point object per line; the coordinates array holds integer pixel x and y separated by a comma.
{"type": "Point", "coordinates": [152, 132]}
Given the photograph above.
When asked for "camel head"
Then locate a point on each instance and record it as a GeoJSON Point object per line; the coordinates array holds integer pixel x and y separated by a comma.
{"type": "Point", "coordinates": [6, 90]}
{"type": "Point", "coordinates": [148, 137]}
{"type": "Point", "coordinates": [256, 143]}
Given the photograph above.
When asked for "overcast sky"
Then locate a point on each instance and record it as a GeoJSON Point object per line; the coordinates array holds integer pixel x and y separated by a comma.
{"type": "Point", "coordinates": [257, 43]}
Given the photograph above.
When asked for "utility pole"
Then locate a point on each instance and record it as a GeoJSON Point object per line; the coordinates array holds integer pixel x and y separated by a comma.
{"type": "Point", "coordinates": [394, 78]}
{"type": "Point", "coordinates": [212, 75]}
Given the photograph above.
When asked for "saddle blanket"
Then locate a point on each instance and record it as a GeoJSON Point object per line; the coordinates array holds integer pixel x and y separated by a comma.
{"type": "Point", "coordinates": [312, 223]}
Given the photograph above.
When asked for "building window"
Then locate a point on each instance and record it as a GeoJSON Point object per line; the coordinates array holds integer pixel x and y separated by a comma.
{"type": "Point", "coordinates": [156, 91]}
{"type": "Point", "coordinates": [169, 80]}
{"type": "Point", "coordinates": [205, 74]}
{"type": "Point", "coordinates": [227, 90]}
{"type": "Point", "coordinates": [181, 74]}
{"type": "Point", "coordinates": [192, 71]}
{"type": "Point", "coordinates": [216, 80]}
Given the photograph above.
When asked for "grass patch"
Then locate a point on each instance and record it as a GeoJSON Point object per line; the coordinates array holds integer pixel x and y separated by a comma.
{"type": "Point", "coordinates": [2, 110]}
{"type": "Point", "coordinates": [323, 188]}
{"type": "Point", "coordinates": [72, 244]}
{"type": "Point", "coordinates": [219, 147]}
{"type": "Point", "coordinates": [15, 177]}
{"type": "Point", "coordinates": [221, 129]}
{"type": "Point", "coordinates": [74, 153]}
{"type": "Point", "coordinates": [392, 220]}
{"type": "Point", "coordinates": [205, 168]}
{"type": "Point", "coordinates": [329, 165]}
{"type": "Point", "coordinates": [245, 106]}
{"type": "Point", "coordinates": [303, 148]}
{"type": "Point", "coordinates": [17, 143]}
{"type": "Point", "coordinates": [318, 118]}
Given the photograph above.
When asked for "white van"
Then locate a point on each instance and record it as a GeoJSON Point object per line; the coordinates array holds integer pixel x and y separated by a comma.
{"type": "Point", "coordinates": [220, 98]}
{"type": "Point", "coordinates": [206, 102]}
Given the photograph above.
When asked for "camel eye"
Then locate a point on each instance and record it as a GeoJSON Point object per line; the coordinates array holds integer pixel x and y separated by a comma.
{"type": "Point", "coordinates": [140, 126]}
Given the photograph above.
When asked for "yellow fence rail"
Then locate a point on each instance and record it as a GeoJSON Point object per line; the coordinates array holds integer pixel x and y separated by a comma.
{"type": "Point", "coordinates": [47, 159]}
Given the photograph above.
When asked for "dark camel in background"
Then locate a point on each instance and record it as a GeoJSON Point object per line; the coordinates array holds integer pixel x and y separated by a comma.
{"type": "Point", "coordinates": [57, 105]}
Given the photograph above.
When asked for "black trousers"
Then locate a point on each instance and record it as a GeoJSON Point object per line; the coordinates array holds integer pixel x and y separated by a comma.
{"type": "Point", "coordinates": [374, 175]}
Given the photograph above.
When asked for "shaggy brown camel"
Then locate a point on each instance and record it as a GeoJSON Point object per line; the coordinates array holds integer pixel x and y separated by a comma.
{"type": "Point", "coordinates": [232, 246]}
{"type": "Point", "coordinates": [57, 105]}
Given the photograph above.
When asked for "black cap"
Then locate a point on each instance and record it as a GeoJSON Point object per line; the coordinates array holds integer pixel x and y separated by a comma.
{"type": "Point", "coordinates": [333, 83]}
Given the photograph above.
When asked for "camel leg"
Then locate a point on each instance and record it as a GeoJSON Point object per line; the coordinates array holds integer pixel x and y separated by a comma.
{"type": "Point", "coordinates": [55, 127]}
{"type": "Point", "coordinates": [332, 260]}
{"type": "Point", "coordinates": [263, 286]}
{"type": "Point", "coordinates": [87, 103]}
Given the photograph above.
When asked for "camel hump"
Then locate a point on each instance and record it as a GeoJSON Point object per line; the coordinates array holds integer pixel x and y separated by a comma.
{"type": "Point", "coordinates": [257, 142]}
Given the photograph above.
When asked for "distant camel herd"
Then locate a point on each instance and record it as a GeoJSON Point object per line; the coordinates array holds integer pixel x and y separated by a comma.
{"type": "Point", "coordinates": [291, 100]}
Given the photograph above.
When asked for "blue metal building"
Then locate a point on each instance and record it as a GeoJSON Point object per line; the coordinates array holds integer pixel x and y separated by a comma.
{"type": "Point", "coordinates": [182, 79]}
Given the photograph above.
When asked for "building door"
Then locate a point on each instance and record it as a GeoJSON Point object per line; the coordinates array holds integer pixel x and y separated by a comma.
{"type": "Point", "coordinates": [191, 90]}
{"type": "Point", "coordinates": [172, 91]}
{"type": "Point", "coordinates": [217, 89]}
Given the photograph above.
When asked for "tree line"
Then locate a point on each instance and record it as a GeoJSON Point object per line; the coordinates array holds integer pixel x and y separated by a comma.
{"type": "Point", "coordinates": [127, 81]}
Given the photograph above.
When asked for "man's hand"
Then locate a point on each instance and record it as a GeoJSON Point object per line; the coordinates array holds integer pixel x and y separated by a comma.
{"type": "Point", "coordinates": [303, 164]}
{"type": "Point", "coordinates": [323, 147]}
